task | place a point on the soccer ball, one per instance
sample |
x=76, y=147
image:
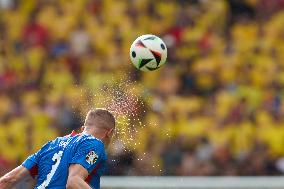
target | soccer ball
x=148, y=52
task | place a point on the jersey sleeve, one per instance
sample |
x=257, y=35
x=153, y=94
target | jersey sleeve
x=89, y=154
x=31, y=163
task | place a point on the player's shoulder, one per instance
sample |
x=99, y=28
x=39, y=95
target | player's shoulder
x=47, y=145
x=89, y=145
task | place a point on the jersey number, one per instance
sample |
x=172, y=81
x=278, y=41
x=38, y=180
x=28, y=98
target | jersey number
x=56, y=157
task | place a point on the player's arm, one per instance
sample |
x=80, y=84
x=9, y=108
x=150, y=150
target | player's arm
x=77, y=176
x=13, y=177
x=86, y=160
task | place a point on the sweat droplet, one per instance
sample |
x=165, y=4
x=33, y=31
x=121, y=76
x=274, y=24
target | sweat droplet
x=124, y=98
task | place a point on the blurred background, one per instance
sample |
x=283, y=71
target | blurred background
x=215, y=108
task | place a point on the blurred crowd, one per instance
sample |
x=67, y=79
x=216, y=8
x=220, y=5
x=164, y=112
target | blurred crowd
x=215, y=108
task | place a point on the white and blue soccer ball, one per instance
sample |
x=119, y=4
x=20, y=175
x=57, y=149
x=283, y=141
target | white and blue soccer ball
x=148, y=53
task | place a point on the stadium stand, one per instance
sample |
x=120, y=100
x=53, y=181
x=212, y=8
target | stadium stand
x=216, y=108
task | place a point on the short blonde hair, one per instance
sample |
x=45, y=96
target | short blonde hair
x=100, y=117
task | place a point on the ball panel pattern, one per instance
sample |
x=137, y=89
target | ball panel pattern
x=148, y=53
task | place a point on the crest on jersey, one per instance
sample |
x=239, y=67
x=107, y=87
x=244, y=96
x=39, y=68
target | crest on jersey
x=91, y=157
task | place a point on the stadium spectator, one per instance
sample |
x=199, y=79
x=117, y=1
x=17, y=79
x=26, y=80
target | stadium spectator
x=215, y=107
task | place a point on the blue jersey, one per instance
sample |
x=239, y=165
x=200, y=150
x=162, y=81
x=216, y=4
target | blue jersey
x=51, y=162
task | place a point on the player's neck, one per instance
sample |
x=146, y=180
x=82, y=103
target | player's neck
x=94, y=134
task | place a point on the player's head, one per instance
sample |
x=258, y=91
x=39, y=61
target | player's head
x=100, y=123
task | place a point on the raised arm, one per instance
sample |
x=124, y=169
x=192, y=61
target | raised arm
x=77, y=176
x=18, y=174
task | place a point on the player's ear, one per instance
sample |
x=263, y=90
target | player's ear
x=82, y=128
x=109, y=133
